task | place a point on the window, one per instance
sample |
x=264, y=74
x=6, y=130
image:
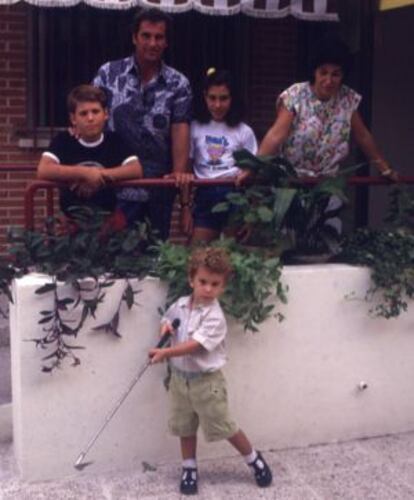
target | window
x=68, y=46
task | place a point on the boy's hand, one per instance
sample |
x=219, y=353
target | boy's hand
x=92, y=181
x=168, y=327
x=94, y=178
x=158, y=355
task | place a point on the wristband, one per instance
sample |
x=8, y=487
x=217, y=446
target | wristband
x=386, y=172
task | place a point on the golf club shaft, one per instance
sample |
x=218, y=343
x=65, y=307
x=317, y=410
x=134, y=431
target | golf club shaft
x=164, y=339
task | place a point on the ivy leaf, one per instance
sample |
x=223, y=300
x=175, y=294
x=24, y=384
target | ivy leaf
x=66, y=301
x=220, y=207
x=46, y=319
x=265, y=214
x=129, y=296
x=46, y=288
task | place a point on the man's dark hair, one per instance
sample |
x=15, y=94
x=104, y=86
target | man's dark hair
x=219, y=77
x=85, y=93
x=152, y=16
x=330, y=50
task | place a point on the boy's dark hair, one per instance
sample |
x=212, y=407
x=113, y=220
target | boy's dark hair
x=219, y=77
x=330, y=50
x=85, y=93
x=215, y=260
x=152, y=15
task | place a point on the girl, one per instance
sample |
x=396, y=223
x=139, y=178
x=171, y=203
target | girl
x=216, y=132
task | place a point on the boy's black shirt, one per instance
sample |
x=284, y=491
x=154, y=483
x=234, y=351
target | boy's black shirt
x=111, y=152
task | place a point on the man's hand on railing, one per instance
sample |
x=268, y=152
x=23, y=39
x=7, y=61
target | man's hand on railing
x=181, y=178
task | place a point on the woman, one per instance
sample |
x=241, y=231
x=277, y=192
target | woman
x=315, y=118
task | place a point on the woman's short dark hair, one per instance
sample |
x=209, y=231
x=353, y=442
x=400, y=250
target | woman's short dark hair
x=330, y=50
x=152, y=15
x=219, y=77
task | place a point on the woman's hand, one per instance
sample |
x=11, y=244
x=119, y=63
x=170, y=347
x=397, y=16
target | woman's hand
x=391, y=175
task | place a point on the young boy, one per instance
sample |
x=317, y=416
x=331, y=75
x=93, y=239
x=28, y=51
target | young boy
x=91, y=159
x=198, y=388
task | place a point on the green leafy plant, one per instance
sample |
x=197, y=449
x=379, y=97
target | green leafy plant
x=280, y=213
x=389, y=253
x=88, y=259
x=259, y=210
x=401, y=208
x=87, y=248
x=308, y=218
x=255, y=280
x=390, y=256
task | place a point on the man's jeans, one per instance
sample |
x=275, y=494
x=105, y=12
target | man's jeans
x=157, y=210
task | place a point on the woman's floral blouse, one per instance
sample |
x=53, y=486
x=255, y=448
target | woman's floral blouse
x=320, y=132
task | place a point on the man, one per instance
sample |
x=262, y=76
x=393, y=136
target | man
x=150, y=107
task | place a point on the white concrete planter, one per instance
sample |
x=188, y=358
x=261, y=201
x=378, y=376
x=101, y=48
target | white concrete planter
x=294, y=383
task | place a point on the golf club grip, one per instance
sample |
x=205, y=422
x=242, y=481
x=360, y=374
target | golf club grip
x=166, y=337
x=163, y=340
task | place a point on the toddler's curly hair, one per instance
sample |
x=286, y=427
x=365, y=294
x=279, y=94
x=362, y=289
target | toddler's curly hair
x=215, y=260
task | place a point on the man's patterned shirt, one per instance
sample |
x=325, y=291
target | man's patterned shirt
x=143, y=115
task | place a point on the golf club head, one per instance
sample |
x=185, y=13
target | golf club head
x=79, y=464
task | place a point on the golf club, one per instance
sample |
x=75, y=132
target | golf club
x=80, y=464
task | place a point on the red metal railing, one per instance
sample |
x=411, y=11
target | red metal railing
x=34, y=186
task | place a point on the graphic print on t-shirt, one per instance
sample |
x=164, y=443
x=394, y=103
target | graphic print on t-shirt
x=91, y=164
x=216, y=148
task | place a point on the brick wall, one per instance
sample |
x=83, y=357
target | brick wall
x=273, y=67
x=13, y=51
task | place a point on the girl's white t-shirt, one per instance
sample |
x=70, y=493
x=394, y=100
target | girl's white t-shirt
x=212, y=147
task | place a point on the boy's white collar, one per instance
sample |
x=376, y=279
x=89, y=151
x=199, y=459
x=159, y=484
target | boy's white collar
x=92, y=144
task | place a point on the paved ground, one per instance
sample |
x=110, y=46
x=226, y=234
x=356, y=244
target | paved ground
x=372, y=469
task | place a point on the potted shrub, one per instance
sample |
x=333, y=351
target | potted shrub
x=281, y=214
x=389, y=253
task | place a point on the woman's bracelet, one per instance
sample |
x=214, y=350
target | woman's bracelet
x=385, y=173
